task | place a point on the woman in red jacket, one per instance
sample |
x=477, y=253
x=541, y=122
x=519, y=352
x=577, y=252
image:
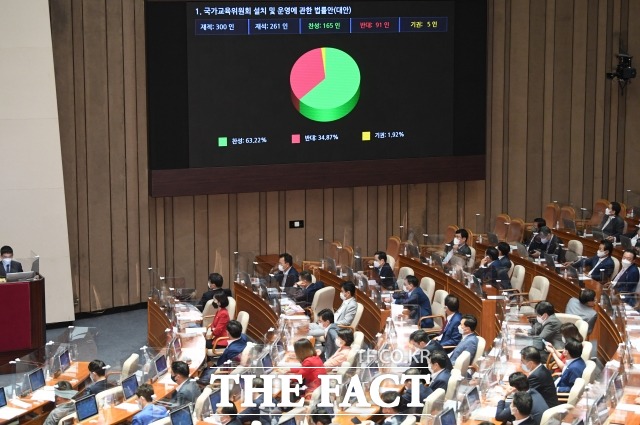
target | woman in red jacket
x=312, y=365
x=219, y=325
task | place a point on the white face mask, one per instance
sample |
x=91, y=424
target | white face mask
x=280, y=267
x=625, y=263
x=6, y=261
x=461, y=330
x=456, y=241
x=525, y=367
x=339, y=342
x=544, y=240
x=564, y=341
x=540, y=319
x=376, y=264
x=600, y=254
x=407, y=289
x=343, y=297
x=607, y=211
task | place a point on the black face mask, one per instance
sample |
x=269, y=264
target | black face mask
x=173, y=378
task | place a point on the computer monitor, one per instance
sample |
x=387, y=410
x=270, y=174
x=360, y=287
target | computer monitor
x=129, y=386
x=161, y=365
x=65, y=360
x=86, y=407
x=182, y=416
x=3, y=397
x=472, y=398
x=446, y=417
x=177, y=346
x=36, y=379
x=267, y=363
x=214, y=399
x=20, y=276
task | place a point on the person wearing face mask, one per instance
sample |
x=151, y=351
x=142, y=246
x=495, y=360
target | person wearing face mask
x=287, y=275
x=469, y=341
x=584, y=307
x=458, y=246
x=328, y=329
x=521, y=408
x=518, y=382
x=214, y=287
x=601, y=265
x=424, y=347
x=627, y=278
x=187, y=390
x=575, y=365
x=347, y=311
x=538, y=223
x=612, y=224
x=8, y=264
x=227, y=415
x=546, y=243
x=414, y=298
x=343, y=341
x=439, y=373
x=547, y=326
x=384, y=270
x=540, y=378
x=491, y=272
x=635, y=238
x=568, y=331
x=97, y=372
x=65, y=405
x=311, y=365
x=308, y=289
x=149, y=411
x=504, y=262
x=218, y=327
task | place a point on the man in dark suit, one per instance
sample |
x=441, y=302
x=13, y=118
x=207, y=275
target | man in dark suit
x=458, y=246
x=547, y=327
x=518, y=382
x=394, y=415
x=601, y=264
x=548, y=243
x=420, y=358
x=504, y=262
x=187, y=390
x=305, y=297
x=414, y=298
x=612, y=224
x=490, y=270
x=439, y=373
x=330, y=332
x=627, y=278
x=574, y=365
x=635, y=238
x=8, y=265
x=385, y=272
x=450, y=333
x=237, y=343
x=521, y=408
x=97, y=373
x=287, y=275
x=540, y=378
x=214, y=285
x=538, y=223
x=469, y=340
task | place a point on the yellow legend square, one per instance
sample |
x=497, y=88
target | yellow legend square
x=366, y=136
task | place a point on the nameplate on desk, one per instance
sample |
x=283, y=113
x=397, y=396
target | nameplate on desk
x=496, y=297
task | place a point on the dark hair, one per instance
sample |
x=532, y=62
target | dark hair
x=234, y=328
x=470, y=321
x=530, y=354
x=439, y=358
x=632, y=251
x=574, y=347
x=216, y=279
x=414, y=371
x=544, y=307
x=223, y=300
x=303, y=349
x=519, y=381
x=569, y=330
x=504, y=248
x=145, y=391
x=452, y=302
x=306, y=275
x=587, y=295
x=492, y=253
x=615, y=206
x=326, y=315
x=412, y=280
x=287, y=258
x=349, y=287
x=321, y=415
x=523, y=402
x=257, y=382
x=390, y=397
x=229, y=410
x=180, y=368
x=545, y=230
x=346, y=334
x=608, y=246
x=97, y=367
x=6, y=250
x=540, y=222
x=420, y=336
x=463, y=233
x=381, y=255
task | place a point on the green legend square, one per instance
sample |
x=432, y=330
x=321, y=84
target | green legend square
x=222, y=142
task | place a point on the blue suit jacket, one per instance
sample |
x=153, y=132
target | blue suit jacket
x=441, y=381
x=451, y=335
x=233, y=350
x=151, y=412
x=629, y=280
x=419, y=298
x=606, y=264
x=469, y=344
x=570, y=374
x=387, y=278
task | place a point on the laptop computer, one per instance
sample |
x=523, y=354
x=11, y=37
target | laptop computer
x=161, y=365
x=65, y=360
x=20, y=276
x=182, y=416
x=36, y=379
x=626, y=242
x=86, y=407
x=446, y=417
x=129, y=386
x=3, y=397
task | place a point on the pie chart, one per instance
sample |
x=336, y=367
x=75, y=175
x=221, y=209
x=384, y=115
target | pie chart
x=325, y=84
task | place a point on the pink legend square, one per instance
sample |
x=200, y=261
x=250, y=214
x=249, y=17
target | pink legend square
x=295, y=138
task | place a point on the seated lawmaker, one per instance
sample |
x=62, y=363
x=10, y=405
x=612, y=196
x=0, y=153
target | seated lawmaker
x=345, y=314
x=584, y=307
x=450, y=334
x=546, y=243
x=521, y=408
x=287, y=275
x=64, y=394
x=419, y=340
x=601, y=265
x=97, y=373
x=385, y=272
x=491, y=270
x=187, y=390
x=149, y=412
x=504, y=262
x=414, y=298
x=407, y=393
x=547, y=327
x=540, y=378
x=343, y=342
x=518, y=381
x=237, y=342
x=469, y=340
x=439, y=373
x=574, y=366
x=214, y=286
x=305, y=297
x=311, y=365
x=612, y=224
x=218, y=327
x=627, y=278
x=458, y=246
x=8, y=264
x=634, y=235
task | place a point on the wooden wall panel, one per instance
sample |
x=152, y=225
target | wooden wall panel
x=556, y=130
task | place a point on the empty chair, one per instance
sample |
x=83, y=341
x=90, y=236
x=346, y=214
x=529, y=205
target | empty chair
x=393, y=247
x=323, y=298
x=208, y=313
x=574, y=250
x=243, y=318
x=551, y=213
x=517, y=278
x=558, y=412
x=516, y=230
x=501, y=226
x=436, y=397
x=589, y=372
x=462, y=362
x=200, y=401
x=428, y=285
x=538, y=292
x=452, y=385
